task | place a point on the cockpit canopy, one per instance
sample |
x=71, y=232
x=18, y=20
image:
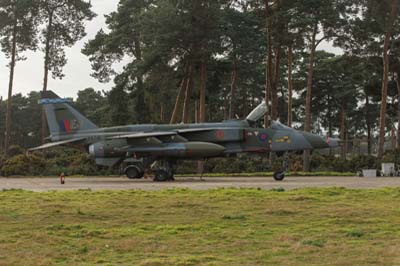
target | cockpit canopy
x=257, y=113
x=279, y=126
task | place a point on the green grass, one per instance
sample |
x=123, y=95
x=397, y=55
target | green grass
x=217, y=227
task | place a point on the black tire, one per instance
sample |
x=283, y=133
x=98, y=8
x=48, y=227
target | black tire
x=161, y=176
x=134, y=172
x=170, y=175
x=279, y=176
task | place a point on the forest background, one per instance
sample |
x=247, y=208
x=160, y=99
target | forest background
x=198, y=61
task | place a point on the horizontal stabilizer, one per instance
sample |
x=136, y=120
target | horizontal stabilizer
x=58, y=143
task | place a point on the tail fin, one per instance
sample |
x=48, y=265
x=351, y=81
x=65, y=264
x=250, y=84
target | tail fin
x=61, y=117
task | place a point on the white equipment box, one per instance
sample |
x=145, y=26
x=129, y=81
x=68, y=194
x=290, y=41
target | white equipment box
x=388, y=169
x=369, y=172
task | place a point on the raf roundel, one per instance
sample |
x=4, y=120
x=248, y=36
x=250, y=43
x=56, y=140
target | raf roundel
x=263, y=137
x=220, y=134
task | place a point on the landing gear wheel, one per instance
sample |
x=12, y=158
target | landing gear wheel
x=170, y=175
x=134, y=172
x=161, y=176
x=163, y=171
x=279, y=176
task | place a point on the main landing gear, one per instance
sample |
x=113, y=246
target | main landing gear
x=134, y=171
x=280, y=175
x=163, y=170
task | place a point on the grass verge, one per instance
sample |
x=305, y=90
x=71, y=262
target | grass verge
x=217, y=227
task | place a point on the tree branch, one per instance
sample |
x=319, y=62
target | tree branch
x=321, y=40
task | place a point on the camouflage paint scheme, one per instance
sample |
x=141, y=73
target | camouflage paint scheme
x=109, y=146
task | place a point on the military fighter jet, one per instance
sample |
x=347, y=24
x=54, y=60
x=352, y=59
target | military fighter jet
x=159, y=147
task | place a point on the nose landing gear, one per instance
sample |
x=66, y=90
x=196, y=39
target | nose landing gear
x=280, y=175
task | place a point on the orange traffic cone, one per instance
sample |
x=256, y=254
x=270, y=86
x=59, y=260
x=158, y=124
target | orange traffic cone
x=62, y=178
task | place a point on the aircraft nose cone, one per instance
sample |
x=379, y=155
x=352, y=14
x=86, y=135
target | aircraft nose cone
x=315, y=141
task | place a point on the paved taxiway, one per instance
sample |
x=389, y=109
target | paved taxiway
x=120, y=183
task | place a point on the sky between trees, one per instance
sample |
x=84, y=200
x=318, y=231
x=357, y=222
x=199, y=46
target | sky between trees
x=29, y=73
x=78, y=70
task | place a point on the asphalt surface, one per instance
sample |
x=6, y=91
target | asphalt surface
x=120, y=183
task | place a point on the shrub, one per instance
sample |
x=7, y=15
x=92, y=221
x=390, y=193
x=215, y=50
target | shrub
x=24, y=164
x=364, y=162
x=392, y=157
x=82, y=164
x=70, y=162
x=73, y=162
x=15, y=150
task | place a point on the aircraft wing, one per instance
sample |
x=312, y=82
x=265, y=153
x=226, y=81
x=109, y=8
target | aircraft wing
x=141, y=135
x=194, y=130
x=141, y=139
x=58, y=143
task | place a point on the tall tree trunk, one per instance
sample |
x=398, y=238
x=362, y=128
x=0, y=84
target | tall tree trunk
x=368, y=122
x=162, y=104
x=382, y=122
x=225, y=106
x=7, y=139
x=138, y=50
x=244, y=102
x=188, y=93
x=196, y=112
x=307, y=124
x=268, y=68
x=181, y=94
x=202, y=99
x=343, y=129
x=274, y=86
x=290, y=85
x=140, y=108
x=398, y=109
x=202, y=107
x=393, y=128
x=162, y=110
x=178, y=101
x=49, y=37
x=232, y=110
x=330, y=126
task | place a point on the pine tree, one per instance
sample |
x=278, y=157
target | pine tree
x=64, y=26
x=18, y=32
